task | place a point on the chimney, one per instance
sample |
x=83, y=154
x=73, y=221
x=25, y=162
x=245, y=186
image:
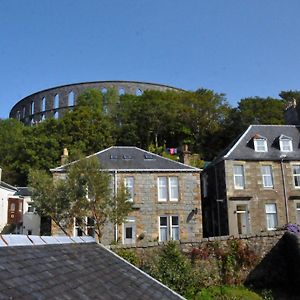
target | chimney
x=186, y=154
x=64, y=157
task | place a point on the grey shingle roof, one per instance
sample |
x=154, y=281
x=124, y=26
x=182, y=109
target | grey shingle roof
x=135, y=159
x=243, y=148
x=73, y=271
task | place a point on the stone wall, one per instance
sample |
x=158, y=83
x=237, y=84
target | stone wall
x=54, y=102
x=260, y=244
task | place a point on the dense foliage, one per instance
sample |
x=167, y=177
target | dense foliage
x=202, y=119
x=212, y=271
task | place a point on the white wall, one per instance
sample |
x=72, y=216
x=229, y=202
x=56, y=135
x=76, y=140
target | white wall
x=31, y=220
x=4, y=195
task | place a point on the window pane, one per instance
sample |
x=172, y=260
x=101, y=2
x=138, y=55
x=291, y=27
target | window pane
x=238, y=171
x=271, y=221
x=175, y=233
x=267, y=176
x=296, y=175
x=162, y=188
x=260, y=145
x=271, y=208
x=128, y=234
x=163, y=221
x=173, y=188
x=285, y=145
x=129, y=182
x=163, y=234
x=175, y=220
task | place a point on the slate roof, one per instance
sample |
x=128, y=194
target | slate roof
x=7, y=186
x=243, y=148
x=73, y=271
x=135, y=159
x=23, y=192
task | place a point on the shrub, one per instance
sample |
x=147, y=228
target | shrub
x=226, y=293
x=174, y=270
x=128, y=255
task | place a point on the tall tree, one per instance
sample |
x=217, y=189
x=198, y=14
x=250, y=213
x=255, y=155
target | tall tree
x=85, y=192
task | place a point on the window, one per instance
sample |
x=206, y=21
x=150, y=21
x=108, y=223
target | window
x=12, y=206
x=162, y=189
x=173, y=188
x=267, y=176
x=31, y=208
x=84, y=226
x=168, y=188
x=260, y=145
x=271, y=216
x=298, y=212
x=238, y=177
x=296, y=175
x=168, y=228
x=174, y=228
x=129, y=185
x=285, y=145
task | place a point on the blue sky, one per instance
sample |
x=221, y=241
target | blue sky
x=240, y=48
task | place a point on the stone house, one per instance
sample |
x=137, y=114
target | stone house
x=165, y=194
x=254, y=184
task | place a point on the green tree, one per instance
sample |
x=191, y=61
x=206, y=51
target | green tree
x=174, y=270
x=11, y=140
x=85, y=192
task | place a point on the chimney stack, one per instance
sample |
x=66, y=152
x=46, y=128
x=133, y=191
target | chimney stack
x=186, y=154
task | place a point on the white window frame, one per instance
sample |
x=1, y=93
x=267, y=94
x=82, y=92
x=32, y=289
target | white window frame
x=285, y=148
x=296, y=175
x=260, y=147
x=31, y=208
x=85, y=227
x=129, y=185
x=173, y=187
x=241, y=175
x=271, y=215
x=168, y=187
x=169, y=228
x=267, y=176
x=162, y=188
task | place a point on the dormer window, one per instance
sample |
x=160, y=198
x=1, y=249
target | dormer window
x=260, y=144
x=285, y=144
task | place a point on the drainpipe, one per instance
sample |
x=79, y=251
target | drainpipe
x=284, y=188
x=115, y=194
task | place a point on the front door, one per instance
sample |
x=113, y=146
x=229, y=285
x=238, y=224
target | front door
x=129, y=231
x=242, y=219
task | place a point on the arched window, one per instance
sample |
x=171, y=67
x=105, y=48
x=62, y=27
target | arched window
x=56, y=101
x=138, y=92
x=32, y=108
x=121, y=91
x=104, y=90
x=55, y=115
x=43, y=104
x=71, y=99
